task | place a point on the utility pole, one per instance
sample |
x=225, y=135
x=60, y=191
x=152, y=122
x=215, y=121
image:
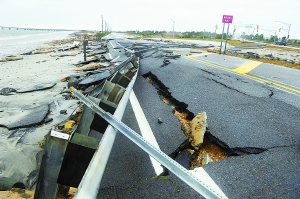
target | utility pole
x=216, y=27
x=102, y=23
x=173, y=27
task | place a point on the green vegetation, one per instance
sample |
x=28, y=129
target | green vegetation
x=101, y=34
x=147, y=33
x=209, y=36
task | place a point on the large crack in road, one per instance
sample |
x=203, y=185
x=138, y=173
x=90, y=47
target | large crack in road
x=188, y=154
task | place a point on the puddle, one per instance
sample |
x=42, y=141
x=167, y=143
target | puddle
x=212, y=149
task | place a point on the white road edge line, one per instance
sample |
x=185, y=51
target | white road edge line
x=145, y=129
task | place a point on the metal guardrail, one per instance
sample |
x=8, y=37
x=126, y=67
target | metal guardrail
x=89, y=161
x=84, y=189
x=90, y=183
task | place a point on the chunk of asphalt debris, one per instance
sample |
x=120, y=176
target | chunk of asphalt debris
x=64, y=90
x=25, y=118
x=165, y=62
x=269, y=55
x=96, y=78
x=7, y=90
x=172, y=56
x=159, y=121
x=47, y=120
x=108, y=56
x=60, y=126
x=63, y=112
x=7, y=184
x=32, y=179
x=37, y=87
x=73, y=82
x=66, y=96
x=168, y=51
x=39, y=157
x=88, y=61
x=195, y=52
x=21, y=133
x=98, y=52
x=27, y=53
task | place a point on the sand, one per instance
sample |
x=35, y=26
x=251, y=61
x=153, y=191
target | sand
x=18, y=153
x=25, y=43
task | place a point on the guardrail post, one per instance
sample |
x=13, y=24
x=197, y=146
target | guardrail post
x=85, y=42
x=47, y=185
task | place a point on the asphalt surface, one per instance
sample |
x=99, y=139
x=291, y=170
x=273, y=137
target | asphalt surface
x=242, y=112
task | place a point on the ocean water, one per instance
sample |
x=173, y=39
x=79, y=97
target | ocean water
x=14, y=42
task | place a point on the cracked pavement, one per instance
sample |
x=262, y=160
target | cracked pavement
x=242, y=112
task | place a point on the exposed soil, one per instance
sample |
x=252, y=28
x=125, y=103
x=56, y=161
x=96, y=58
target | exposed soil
x=212, y=149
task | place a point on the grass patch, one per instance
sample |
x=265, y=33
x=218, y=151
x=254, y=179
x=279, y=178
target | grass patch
x=264, y=60
x=239, y=43
x=283, y=49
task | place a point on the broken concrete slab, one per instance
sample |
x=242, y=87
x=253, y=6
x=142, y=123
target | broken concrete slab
x=32, y=179
x=67, y=48
x=88, y=61
x=7, y=91
x=172, y=56
x=57, y=105
x=96, y=78
x=96, y=47
x=8, y=183
x=105, y=64
x=27, y=53
x=157, y=54
x=36, y=87
x=119, y=59
x=24, y=118
x=148, y=54
x=96, y=52
x=108, y=56
x=19, y=135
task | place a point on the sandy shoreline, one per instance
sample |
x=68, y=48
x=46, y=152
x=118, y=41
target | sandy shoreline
x=19, y=147
x=18, y=45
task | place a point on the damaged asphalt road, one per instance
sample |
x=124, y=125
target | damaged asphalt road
x=240, y=111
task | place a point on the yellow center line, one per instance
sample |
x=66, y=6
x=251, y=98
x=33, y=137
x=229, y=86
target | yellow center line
x=247, y=75
x=246, y=68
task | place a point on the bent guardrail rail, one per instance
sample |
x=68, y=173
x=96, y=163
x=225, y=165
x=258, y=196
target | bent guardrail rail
x=88, y=188
x=69, y=147
x=90, y=183
x=74, y=158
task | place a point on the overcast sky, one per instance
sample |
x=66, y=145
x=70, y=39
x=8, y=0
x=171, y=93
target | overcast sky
x=189, y=15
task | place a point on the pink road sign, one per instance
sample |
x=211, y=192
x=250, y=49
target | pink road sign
x=227, y=19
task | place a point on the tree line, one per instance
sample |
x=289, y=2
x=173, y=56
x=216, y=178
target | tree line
x=208, y=35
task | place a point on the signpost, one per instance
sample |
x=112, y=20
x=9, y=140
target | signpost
x=226, y=19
